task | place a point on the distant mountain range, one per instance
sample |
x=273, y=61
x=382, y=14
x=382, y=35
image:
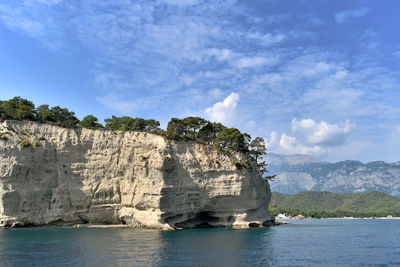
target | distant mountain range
x=297, y=173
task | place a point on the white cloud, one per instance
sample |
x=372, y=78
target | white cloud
x=251, y=62
x=181, y=3
x=215, y=93
x=272, y=140
x=292, y=146
x=343, y=16
x=116, y=103
x=323, y=133
x=14, y=20
x=318, y=68
x=238, y=60
x=223, y=111
x=187, y=79
x=35, y=19
x=267, y=38
x=45, y=2
x=310, y=137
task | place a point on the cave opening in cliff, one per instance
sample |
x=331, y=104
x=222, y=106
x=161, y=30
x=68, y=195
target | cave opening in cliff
x=203, y=219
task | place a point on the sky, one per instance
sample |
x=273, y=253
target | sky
x=314, y=77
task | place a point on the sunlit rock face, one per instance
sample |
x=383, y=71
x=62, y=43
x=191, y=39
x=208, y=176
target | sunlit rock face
x=77, y=176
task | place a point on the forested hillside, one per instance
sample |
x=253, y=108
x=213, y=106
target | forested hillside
x=327, y=204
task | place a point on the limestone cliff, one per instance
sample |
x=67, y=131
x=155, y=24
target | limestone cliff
x=74, y=176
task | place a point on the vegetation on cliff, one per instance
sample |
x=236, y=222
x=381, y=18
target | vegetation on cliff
x=193, y=129
x=322, y=204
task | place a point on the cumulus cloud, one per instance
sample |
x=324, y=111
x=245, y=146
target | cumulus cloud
x=342, y=16
x=223, y=111
x=272, y=140
x=310, y=137
x=321, y=133
x=293, y=146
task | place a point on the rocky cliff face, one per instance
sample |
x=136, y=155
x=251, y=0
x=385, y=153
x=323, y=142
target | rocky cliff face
x=74, y=176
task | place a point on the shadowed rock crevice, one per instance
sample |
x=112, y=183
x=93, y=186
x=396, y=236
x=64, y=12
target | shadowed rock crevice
x=203, y=219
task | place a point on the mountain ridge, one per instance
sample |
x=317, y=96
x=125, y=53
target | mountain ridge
x=348, y=176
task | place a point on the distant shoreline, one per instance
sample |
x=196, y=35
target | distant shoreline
x=344, y=218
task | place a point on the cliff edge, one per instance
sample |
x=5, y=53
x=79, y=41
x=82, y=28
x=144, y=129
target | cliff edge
x=57, y=176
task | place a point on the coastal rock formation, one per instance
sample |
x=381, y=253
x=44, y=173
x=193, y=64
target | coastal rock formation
x=57, y=176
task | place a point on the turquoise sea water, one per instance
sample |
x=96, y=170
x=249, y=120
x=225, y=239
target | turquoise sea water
x=303, y=243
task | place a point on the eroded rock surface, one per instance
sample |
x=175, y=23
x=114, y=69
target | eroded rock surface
x=75, y=176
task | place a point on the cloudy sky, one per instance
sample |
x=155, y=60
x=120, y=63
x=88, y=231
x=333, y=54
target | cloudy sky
x=318, y=77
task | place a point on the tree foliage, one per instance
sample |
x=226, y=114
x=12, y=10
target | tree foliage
x=17, y=108
x=63, y=117
x=203, y=131
x=126, y=123
x=44, y=113
x=206, y=132
x=209, y=132
x=187, y=129
x=175, y=129
x=90, y=121
x=258, y=149
x=232, y=138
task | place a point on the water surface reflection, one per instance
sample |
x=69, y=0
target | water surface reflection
x=135, y=247
x=303, y=243
x=217, y=247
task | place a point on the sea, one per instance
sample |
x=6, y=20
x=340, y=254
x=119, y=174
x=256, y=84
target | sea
x=326, y=242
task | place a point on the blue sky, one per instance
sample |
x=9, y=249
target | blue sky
x=317, y=77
